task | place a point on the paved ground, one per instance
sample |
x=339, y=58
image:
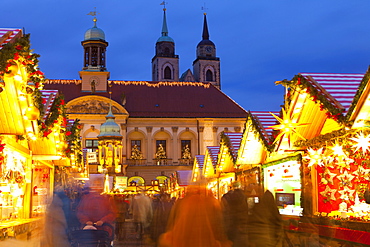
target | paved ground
x=131, y=238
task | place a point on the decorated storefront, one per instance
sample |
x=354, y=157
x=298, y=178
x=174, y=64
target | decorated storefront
x=283, y=179
x=34, y=137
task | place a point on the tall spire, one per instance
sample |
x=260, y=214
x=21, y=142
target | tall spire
x=164, y=25
x=205, y=35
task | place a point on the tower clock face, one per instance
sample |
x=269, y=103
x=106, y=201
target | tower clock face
x=94, y=79
x=209, y=49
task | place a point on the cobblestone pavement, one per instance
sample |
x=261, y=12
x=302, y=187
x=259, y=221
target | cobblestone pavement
x=131, y=238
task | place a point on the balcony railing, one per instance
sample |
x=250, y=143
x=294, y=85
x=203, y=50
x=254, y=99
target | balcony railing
x=186, y=162
x=160, y=162
x=141, y=162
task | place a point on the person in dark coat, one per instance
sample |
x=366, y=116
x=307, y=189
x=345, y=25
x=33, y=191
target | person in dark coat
x=265, y=223
x=161, y=213
x=235, y=212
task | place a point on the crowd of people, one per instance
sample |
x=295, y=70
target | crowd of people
x=198, y=219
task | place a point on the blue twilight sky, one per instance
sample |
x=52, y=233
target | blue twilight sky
x=258, y=41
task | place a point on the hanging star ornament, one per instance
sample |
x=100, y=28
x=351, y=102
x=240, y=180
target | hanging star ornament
x=315, y=157
x=361, y=142
x=287, y=127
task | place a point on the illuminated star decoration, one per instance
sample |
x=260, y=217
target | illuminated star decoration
x=287, y=127
x=343, y=161
x=315, y=157
x=346, y=193
x=362, y=142
x=329, y=174
x=329, y=193
x=346, y=178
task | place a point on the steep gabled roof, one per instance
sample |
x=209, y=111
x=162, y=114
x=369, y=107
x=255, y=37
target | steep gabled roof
x=161, y=99
x=233, y=140
x=265, y=120
x=199, y=159
x=213, y=154
x=342, y=87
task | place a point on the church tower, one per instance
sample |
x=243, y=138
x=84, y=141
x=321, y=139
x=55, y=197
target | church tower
x=94, y=74
x=165, y=64
x=206, y=66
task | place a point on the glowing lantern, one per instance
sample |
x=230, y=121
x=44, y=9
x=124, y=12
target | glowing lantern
x=32, y=113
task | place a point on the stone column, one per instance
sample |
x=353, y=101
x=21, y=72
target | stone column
x=176, y=145
x=150, y=155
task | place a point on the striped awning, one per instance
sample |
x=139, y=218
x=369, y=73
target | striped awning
x=265, y=119
x=234, y=140
x=9, y=35
x=199, y=159
x=48, y=97
x=342, y=87
x=213, y=154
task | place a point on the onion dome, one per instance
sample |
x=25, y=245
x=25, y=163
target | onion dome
x=165, y=36
x=110, y=129
x=94, y=33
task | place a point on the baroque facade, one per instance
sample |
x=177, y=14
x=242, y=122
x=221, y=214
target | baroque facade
x=179, y=118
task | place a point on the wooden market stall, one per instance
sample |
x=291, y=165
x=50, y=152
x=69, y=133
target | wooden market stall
x=33, y=136
x=328, y=141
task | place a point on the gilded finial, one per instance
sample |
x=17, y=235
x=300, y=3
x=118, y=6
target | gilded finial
x=94, y=13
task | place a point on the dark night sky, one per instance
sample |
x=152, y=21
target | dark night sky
x=258, y=42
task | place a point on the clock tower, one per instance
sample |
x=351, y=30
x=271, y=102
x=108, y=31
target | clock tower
x=206, y=66
x=94, y=74
x=165, y=64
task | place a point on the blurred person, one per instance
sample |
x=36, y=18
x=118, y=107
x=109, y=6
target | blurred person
x=142, y=213
x=161, y=214
x=122, y=208
x=235, y=211
x=96, y=211
x=56, y=221
x=265, y=223
x=196, y=221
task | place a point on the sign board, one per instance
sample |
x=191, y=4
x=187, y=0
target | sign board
x=121, y=182
x=91, y=157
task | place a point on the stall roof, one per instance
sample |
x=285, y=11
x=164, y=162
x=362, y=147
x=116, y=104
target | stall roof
x=234, y=141
x=199, y=159
x=9, y=35
x=266, y=120
x=342, y=87
x=213, y=154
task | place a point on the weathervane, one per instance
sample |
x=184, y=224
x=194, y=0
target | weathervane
x=164, y=5
x=94, y=13
x=204, y=8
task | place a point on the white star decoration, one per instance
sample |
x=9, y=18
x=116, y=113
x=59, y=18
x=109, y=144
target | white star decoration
x=362, y=142
x=315, y=157
x=346, y=178
x=330, y=174
x=329, y=193
x=346, y=193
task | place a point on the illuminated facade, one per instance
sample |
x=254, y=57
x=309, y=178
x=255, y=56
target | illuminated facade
x=164, y=123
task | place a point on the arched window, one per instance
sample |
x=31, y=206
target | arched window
x=209, y=75
x=167, y=73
